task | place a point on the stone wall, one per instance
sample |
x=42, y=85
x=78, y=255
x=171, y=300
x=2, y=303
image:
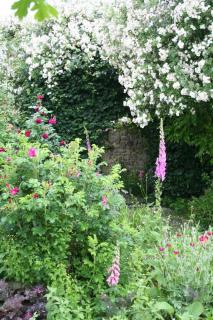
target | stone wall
x=128, y=147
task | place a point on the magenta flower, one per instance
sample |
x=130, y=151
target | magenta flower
x=114, y=271
x=32, y=153
x=160, y=170
x=161, y=249
x=2, y=150
x=27, y=133
x=38, y=120
x=14, y=191
x=52, y=120
x=40, y=97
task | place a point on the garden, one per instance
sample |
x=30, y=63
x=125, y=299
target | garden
x=106, y=160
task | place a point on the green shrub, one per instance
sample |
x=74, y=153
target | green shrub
x=202, y=208
x=50, y=205
x=66, y=299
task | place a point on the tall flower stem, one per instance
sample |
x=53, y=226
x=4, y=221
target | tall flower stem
x=160, y=171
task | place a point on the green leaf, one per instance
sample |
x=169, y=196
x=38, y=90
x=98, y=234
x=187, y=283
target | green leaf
x=21, y=7
x=164, y=306
x=44, y=10
x=195, y=309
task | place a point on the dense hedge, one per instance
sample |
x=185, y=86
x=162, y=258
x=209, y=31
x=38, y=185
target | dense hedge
x=88, y=96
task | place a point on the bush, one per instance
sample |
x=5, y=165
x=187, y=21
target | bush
x=50, y=205
x=202, y=208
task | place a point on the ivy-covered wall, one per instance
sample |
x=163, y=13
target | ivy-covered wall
x=88, y=96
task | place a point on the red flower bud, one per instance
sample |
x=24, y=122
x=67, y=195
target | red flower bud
x=62, y=143
x=35, y=195
x=176, y=252
x=27, y=133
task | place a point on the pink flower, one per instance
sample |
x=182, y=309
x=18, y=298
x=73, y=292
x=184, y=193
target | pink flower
x=161, y=249
x=192, y=244
x=7, y=185
x=62, y=143
x=40, y=97
x=32, y=153
x=203, y=238
x=210, y=233
x=14, y=191
x=176, y=252
x=45, y=135
x=2, y=150
x=114, y=271
x=168, y=245
x=52, y=120
x=27, y=133
x=160, y=171
x=38, y=120
x=104, y=200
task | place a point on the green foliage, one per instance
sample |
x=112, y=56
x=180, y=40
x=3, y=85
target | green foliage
x=189, y=253
x=185, y=172
x=43, y=132
x=87, y=95
x=42, y=8
x=50, y=205
x=202, y=208
x=195, y=130
x=66, y=298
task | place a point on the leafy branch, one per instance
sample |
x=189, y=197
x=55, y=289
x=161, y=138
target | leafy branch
x=42, y=9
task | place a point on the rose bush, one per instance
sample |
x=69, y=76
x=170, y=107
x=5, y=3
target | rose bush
x=50, y=205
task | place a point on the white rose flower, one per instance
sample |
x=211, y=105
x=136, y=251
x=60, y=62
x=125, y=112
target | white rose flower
x=202, y=96
x=176, y=85
x=180, y=44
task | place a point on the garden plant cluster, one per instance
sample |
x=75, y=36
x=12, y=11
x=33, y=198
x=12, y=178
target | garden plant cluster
x=72, y=249
x=71, y=246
